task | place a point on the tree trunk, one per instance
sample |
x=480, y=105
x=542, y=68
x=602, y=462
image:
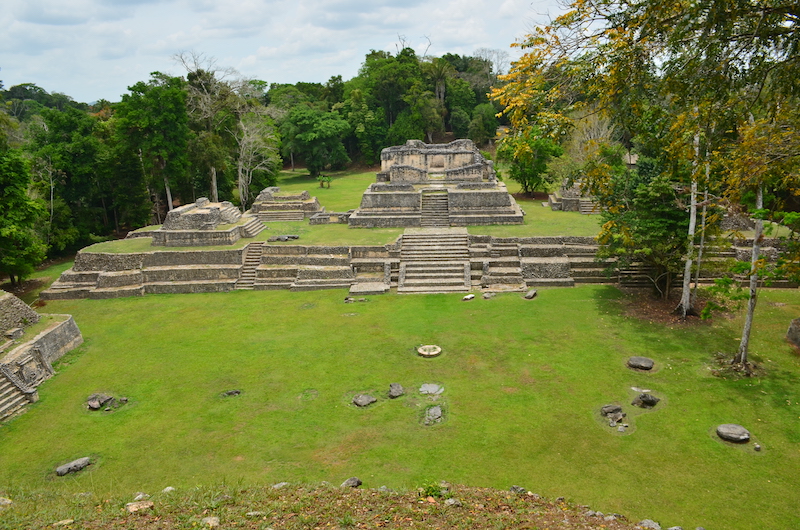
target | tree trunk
x=214, y=195
x=291, y=156
x=169, y=193
x=702, y=240
x=685, y=306
x=741, y=355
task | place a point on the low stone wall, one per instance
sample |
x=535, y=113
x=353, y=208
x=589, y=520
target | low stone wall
x=167, y=258
x=15, y=313
x=54, y=342
x=195, y=238
x=105, y=261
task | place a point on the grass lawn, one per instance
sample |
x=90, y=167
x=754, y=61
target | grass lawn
x=523, y=381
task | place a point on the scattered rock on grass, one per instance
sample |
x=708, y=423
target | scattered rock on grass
x=530, y=295
x=229, y=393
x=433, y=415
x=468, y=297
x=168, y=489
x=641, y=363
x=395, y=390
x=793, y=334
x=279, y=485
x=211, y=522
x=431, y=389
x=517, y=489
x=73, y=467
x=64, y=522
x=352, y=482
x=5, y=502
x=140, y=496
x=139, y=506
x=363, y=400
x=650, y=524
x=453, y=502
x=732, y=432
x=645, y=401
x=488, y=296
x=98, y=400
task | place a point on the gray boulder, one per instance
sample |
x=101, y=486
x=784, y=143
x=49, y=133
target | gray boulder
x=433, y=415
x=73, y=467
x=453, y=502
x=352, y=482
x=605, y=410
x=517, y=489
x=98, y=401
x=645, y=401
x=793, y=334
x=732, y=432
x=396, y=390
x=363, y=400
x=641, y=363
x=530, y=295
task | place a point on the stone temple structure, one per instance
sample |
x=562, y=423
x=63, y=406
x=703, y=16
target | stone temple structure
x=204, y=223
x=429, y=185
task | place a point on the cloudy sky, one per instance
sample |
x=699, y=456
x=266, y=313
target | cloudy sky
x=92, y=49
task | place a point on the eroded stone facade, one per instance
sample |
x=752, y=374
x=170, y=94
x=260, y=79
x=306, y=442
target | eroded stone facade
x=435, y=185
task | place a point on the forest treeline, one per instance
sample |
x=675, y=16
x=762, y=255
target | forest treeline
x=87, y=172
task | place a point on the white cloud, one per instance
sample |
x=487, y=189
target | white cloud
x=93, y=49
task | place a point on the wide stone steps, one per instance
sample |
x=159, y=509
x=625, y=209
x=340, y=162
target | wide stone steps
x=252, y=259
x=11, y=398
x=253, y=227
x=105, y=293
x=434, y=210
x=281, y=215
x=588, y=207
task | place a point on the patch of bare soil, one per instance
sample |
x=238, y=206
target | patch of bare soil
x=644, y=305
x=535, y=195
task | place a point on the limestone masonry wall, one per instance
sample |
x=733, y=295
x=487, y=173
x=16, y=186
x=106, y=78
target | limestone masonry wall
x=15, y=313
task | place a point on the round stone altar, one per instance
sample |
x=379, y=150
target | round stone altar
x=429, y=350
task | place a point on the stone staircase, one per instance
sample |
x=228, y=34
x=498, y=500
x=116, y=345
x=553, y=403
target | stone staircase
x=252, y=259
x=502, y=271
x=252, y=227
x=434, y=209
x=273, y=216
x=12, y=398
x=301, y=268
x=588, y=207
x=434, y=261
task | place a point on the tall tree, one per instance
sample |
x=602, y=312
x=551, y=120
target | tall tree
x=20, y=248
x=154, y=120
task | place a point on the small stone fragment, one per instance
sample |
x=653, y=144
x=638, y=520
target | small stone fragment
x=134, y=507
x=675, y=528
x=620, y=429
x=254, y=514
x=395, y=390
x=279, y=485
x=453, y=502
x=468, y=297
x=649, y=523
x=530, y=295
x=98, y=400
x=757, y=447
x=517, y=489
x=433, y=415
x=488, y=296
x=140, y=496
x=641, y=363
x=168, y=489
x=560, y=499
x=352, y=482
x=229, y=393
x=645, y=401
x=5, y=502
x=732, y=432
x=605, y=410
x=431, y=389
x=64, y=522
x=363, y=400
x=211, y=522
x=73, y=467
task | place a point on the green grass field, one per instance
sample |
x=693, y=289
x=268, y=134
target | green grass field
x=523, y=384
